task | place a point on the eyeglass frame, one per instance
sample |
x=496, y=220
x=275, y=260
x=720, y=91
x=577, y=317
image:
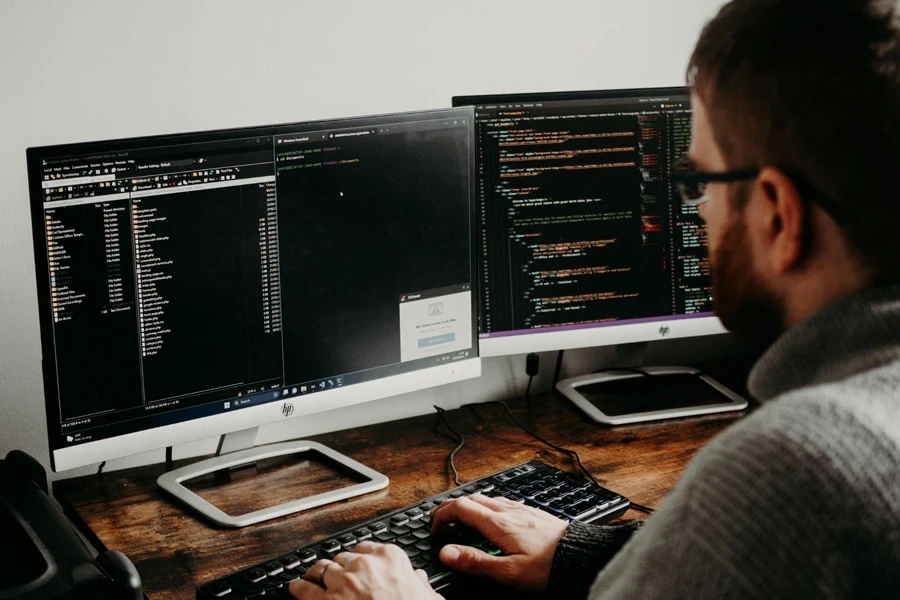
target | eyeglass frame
x=840, y=213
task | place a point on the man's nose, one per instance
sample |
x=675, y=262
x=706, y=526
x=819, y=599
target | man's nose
x=701, y=210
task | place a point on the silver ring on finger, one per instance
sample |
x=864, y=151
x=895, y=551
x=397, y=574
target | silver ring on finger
x=322, y=575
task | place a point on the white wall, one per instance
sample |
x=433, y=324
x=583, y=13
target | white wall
x=96, y=69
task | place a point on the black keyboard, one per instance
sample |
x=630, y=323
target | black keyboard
x=533, y=483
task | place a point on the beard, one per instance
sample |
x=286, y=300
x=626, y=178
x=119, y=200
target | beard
x=742, y=301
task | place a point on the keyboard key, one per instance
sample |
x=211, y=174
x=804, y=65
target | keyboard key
x=579, y=508
x=543, y=499
x=427, y=507
x=412, y=551
x=457, y=494
x=272, y=568
x=422, y=534
x=402, y=530
x=438, y=500
x=436, y=569
x=385, y=536
x=290, y=561
x=331, y=546
x=558, y=506
x=414, y=513
x=471, y=489
x=255, y=575
x=399, y=519
x=490, y=547
x=377, y=527
x=307, y=556
x=413, y=525
x=362, y=534
x=432, y=555
x=346, y=539
x=289, y=575
x=219, y=589
x=424, y=546
x=407, y=540
x=419, y=562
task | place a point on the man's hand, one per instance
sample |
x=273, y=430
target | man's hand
x=370, y=571
x=528, y=538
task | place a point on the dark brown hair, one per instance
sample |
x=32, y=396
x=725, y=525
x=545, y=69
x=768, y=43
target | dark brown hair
x=813, y=87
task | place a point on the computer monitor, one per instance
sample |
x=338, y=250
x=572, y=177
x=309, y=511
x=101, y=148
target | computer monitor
x=199, y=284
x=581, y=238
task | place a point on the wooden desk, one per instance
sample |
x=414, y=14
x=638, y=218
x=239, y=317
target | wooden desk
x=174, y=551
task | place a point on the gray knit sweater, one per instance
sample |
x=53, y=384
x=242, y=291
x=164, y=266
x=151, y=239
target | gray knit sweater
x=800, y=499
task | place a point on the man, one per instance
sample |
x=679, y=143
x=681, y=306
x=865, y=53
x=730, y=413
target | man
x=794, y=164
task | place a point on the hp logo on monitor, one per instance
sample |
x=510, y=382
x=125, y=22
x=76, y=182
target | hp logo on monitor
x=663, y=330
x=288, y=409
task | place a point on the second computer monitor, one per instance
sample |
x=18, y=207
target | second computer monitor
x=581, y=239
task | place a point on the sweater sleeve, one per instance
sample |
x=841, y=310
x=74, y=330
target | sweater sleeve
x=582, y=552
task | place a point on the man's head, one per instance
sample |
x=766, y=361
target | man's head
x=808, y=92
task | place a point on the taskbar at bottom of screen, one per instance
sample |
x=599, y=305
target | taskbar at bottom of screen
x=85, y=430
x=593, y=325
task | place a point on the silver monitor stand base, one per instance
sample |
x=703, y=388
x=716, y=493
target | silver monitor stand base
x=626, y=364
x=237, y=449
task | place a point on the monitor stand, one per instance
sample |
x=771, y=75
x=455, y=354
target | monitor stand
x=237, y=449
x=618, y=394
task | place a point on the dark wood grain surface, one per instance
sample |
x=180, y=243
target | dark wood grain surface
x=175, y=551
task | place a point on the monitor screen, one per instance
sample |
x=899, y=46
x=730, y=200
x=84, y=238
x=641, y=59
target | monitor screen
x=193, y=275
x=579, y=226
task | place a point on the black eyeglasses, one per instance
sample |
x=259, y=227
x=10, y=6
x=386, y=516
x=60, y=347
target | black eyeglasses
x=691, y=185
x=691, y=182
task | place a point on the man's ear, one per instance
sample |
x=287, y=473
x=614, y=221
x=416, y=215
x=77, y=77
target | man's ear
x=785, y=220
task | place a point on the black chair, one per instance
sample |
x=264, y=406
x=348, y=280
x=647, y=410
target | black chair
x=42, y=555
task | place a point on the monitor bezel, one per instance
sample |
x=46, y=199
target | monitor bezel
x=154, y=438
x=475, y=99
x=603, y=334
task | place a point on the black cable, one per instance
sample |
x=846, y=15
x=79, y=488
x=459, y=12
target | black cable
x=459, y=438
x=528, y=388
x=642, y=508
x=572, y=453
x=168, y=458
x=100, y=468
x=559, y=360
